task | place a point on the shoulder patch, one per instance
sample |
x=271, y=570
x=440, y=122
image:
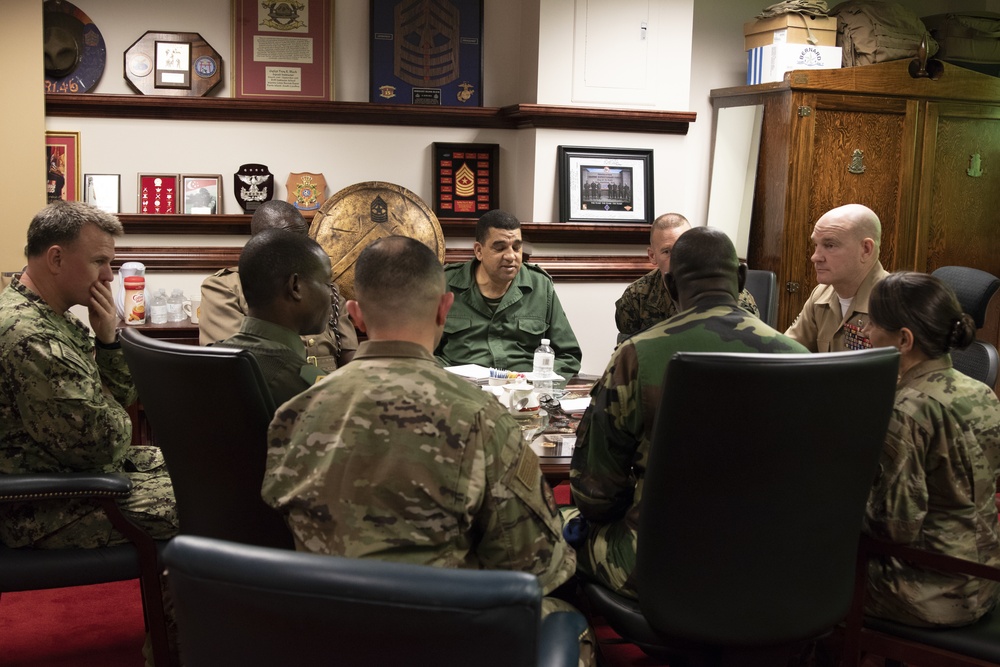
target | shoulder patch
x=528, y=471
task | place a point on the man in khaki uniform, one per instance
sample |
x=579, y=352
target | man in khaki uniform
x=847, y=267
x=223, y=305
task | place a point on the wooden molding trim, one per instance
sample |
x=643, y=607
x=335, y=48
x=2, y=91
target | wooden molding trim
x=103, y=105
x=601, y=268
x=538, y=232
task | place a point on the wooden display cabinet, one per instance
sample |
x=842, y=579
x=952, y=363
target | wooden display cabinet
x=923, y=154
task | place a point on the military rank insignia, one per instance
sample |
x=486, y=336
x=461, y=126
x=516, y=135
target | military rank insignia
x=853, y=338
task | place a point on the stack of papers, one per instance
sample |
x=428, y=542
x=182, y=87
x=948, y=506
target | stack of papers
x=574, y=405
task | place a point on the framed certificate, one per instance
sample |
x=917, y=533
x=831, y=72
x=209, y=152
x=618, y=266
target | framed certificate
x=62, y=158
x=427, y=52
x=466, y=179
x=283, y=49
x=605, y=184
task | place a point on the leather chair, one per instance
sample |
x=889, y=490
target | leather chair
x=975, y=290
x=26, y=569
x=763, y=286
x=976, y=645
x=245, y=605
x=752, y=505
x=209, y=409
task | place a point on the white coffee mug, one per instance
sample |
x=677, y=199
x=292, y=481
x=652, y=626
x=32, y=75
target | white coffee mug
x=192, y=309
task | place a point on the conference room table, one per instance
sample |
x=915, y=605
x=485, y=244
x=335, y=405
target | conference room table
x=554, y=445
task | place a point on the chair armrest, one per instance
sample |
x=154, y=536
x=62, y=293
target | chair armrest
x=49, y=486
x=559, y=639
x=929, y=560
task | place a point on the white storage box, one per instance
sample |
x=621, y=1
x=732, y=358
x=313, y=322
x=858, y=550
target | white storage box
x=769, y=63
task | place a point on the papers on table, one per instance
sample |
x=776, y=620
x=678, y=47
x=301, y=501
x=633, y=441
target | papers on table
x=574, y=405
x=471, y=371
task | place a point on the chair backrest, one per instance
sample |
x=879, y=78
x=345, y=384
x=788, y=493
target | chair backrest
x=763, y=286
x=245, y=605
x=979, y=361
x=974, y=288
x=209, y=409
x=757, y=481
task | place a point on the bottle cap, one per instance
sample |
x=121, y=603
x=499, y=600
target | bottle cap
x=134, y=282
x=545, y=341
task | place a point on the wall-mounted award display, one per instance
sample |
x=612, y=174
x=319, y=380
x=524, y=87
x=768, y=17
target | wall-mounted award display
x=306, y=192
x=283, y=49
x=427, y=53
x=62, y=157
x=74, y=48
x=253, y=185
x=158, y=194
x=466, y=179
x=172, y=63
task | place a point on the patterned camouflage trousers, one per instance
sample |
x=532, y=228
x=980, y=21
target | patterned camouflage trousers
x=607, y=555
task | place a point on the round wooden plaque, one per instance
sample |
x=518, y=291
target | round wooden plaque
x=361, y=213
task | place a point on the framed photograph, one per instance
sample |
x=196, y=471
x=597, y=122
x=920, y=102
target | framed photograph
x=466, y=179
x=427, y=52
x=62, y=158
x=201, y=193
x=605, y=184
x=158, y=194
x=172, y=63
x=283, y=49
x=103, y=191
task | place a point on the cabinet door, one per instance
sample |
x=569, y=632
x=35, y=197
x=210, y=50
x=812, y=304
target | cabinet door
x=960, y=188
x=848, y=150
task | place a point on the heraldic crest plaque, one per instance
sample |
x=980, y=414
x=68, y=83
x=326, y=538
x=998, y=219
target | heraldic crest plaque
x=364, y=212
x=253, y=185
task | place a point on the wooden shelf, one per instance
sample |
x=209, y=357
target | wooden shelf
x=537, y=232
x=516, y=116
x=612, y=268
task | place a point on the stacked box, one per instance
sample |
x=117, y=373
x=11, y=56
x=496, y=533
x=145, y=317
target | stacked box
x=769, y=63
x=790, y=29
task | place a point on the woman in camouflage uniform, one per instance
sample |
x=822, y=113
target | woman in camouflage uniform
x=936, y=485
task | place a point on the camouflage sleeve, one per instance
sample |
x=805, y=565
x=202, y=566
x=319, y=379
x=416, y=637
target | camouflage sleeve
x=627, y=314
x=221, y=315
x=607, y=440
x=519, y=521
x=897, y=504
x=64, y=406
x=747, y=303
x=117, y=376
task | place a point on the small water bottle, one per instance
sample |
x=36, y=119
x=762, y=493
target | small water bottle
x=542, y=366
x=175, y=306
x=158, y=307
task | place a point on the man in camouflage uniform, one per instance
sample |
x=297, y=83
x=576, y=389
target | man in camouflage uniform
x=223, y=305
x=393, y=457
x=61, y=404
x=288, y=284
x=503, y=307
x=613, y=439
x=846, y=241
x=646, y=301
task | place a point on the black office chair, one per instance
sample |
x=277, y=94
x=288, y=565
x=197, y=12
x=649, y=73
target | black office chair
x=249, y=606
x=974, y=289
x=763, y=287
x=753, y=501
x=26, y=569
x=975, y=645
x=209, y=409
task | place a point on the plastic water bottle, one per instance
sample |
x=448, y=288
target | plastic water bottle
x=175, y=306
x=543, y=366
x=158, y=307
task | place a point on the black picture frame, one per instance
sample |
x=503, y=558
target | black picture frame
x=466, y=179
x=448, y=73
x=605, y=184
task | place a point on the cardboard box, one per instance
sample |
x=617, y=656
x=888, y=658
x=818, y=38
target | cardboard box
x=769, y=63
x=790, y=29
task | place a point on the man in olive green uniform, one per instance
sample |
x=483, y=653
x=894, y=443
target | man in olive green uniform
x=646, y=301
x=504, y=308
x=613, y=439
x=392, y=457
x=287, y=283
x=223, y=305
x=63, y=393
x=846, y=241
